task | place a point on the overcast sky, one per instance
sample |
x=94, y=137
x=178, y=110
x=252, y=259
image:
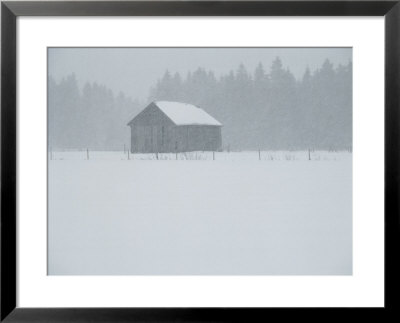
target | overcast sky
x=134, y=70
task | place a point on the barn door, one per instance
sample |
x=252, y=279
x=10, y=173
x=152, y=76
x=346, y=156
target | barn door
x=140, y=142
x=148, y=142
x=154, y=139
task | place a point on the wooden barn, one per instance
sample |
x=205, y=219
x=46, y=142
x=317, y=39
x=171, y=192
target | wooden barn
x=166, y=127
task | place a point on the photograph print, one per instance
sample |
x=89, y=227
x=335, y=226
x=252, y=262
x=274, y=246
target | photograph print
x=199, y=161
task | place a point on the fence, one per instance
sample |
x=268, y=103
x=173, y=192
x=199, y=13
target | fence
x=261, y=155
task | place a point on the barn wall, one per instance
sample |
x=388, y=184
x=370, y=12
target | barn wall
x=151, y=139
x=151, y=131
x=166, y=138
x=198, y=137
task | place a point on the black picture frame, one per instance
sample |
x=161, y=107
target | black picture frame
x=11, y=10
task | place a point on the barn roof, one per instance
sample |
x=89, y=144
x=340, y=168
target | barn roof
x=186, y=114
x=183, y=114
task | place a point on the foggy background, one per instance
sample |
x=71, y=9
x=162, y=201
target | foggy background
x=266, y=98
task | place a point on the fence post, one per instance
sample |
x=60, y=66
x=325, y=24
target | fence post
x=309, y=154
x=87, y=153
x=213, y=155
x=128, y=155
x=51, y=153
x=124, y=150
x=259, y=154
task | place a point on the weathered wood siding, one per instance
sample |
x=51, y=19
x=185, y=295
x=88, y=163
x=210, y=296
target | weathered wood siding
x=152, y=131
x=198, y=137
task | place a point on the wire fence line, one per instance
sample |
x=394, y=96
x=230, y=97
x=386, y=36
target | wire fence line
x=261, y=155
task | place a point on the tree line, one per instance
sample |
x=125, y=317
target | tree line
x=260, y=109
x=271, y=109
x=92, y=117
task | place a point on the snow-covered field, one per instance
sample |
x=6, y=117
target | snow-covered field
x=235, y=215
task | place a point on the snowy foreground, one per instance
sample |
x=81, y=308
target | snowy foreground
x=235, y=215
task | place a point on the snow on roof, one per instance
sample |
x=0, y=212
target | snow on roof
x=186, y=114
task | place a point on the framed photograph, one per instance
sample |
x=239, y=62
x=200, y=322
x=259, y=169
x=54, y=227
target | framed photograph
x=198, y=161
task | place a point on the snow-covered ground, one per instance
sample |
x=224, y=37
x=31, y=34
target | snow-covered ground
x=235, y=215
